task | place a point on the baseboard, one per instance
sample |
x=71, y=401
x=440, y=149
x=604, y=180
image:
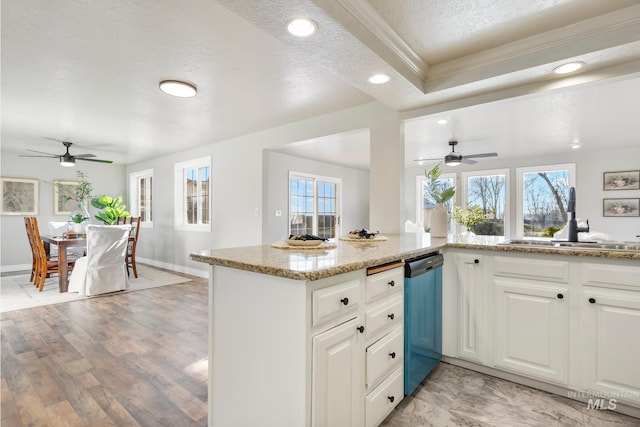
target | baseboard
x=173, y=267
x=621, y=407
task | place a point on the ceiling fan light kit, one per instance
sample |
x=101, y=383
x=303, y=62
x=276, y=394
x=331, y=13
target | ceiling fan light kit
x=67, y=161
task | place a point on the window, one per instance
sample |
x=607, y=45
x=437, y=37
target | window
x=193, y=195
x=314, y=203
x=489, y=191
x=140, y=196
x=424, y=202
x=542, y=194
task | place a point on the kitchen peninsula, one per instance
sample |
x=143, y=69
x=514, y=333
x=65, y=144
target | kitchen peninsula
x=295, y=334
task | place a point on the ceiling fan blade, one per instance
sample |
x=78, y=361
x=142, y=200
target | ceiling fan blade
x=83, y=155
x=42, y=152
x=93, y=160
x=428, y=160
x=476, y=156
x=50, y=156
x=468, y=161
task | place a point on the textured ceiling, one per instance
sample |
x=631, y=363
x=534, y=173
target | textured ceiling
x=88, y=71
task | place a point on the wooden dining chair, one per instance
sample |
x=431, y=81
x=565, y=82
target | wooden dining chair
x=130, y=258
x=34, y=256
x=43, y=266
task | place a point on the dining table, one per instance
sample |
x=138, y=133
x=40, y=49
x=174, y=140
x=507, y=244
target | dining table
x=63, y=243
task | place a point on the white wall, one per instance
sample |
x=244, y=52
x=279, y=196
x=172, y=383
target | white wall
x=105, y=178
x=355, y=192
x=590, y=165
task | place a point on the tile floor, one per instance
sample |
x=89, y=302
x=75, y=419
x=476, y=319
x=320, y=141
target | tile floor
x=454, y=396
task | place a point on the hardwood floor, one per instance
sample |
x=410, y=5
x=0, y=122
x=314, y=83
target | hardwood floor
x=134, y=359
x=140, y=359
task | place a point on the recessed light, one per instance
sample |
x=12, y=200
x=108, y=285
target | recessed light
x=569, y=67
x=178, y=88
x=301, y=27
x=443, y=121
x=575, y=144
x=378, y=79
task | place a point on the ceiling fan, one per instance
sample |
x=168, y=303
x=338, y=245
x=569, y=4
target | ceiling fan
x=67, y=159
x=454, y=159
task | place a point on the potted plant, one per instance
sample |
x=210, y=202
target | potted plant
x=436, y=197
x=113, y=209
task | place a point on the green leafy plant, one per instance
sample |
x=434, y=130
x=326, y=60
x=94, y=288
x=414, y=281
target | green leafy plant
x=113, y=209
x=82, y=191
x=78, y=218
x=469, y=217
x=438, y=190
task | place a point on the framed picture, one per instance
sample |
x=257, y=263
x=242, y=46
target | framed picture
x=621, y=207
x=63, y=197
x=20, y=196
x=624, y=180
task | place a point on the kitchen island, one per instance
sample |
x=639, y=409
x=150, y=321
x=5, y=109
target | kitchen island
x=288, y=343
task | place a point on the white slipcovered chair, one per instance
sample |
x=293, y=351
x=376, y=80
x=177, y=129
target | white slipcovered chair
x=103, y=269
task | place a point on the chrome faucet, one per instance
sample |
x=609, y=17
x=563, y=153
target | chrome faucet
x=573, y=224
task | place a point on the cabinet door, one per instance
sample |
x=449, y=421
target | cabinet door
x=338, y=376
x=611, y=324
x=470, y=307
x=531, y=328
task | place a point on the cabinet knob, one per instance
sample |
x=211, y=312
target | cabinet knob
x=560, y=296
x=360, y=329
x=392, y=354
x=391, y=398
x=391, y=316
x=345, y=301
x=592, y=300
x=392, y=283
x=476, y=261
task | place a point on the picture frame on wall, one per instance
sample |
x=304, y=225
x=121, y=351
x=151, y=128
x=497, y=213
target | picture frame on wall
x=621, y=207
x=63, y=197
x=622, y=180
x=20, y=196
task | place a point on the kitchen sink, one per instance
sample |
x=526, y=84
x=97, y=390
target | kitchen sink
x=611, y=246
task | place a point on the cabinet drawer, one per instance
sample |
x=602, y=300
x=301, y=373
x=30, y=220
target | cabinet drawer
x=381, y=401
x=384, y=283
x=554, y=271
x=388, y=314
x=383, y=356
x=335, y=301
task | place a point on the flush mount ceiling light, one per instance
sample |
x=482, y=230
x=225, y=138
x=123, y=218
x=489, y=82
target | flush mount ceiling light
x=378, y=79
x=569, y=67
x=178, y=88
x=301, y=27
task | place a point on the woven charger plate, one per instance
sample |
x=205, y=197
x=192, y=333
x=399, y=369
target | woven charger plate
x=376, y=238
x=282, y=244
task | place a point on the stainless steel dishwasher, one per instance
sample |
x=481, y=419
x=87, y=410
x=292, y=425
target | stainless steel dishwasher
x=422, y=317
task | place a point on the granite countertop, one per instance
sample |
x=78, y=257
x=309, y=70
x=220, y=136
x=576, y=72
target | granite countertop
x=347, y=256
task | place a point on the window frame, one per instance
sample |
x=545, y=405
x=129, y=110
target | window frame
x=519, y=231
x=134, y=195
x=464, y=197
x=316, y=178
x=179, y=191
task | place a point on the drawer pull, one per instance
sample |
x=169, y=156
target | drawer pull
x=392, y=354
x=592, y=300
x=560, y=296
x=360, y=329
x=391, y=399
x=391, y=316
x=392, y=283
x=345, y=301
x=475, y=261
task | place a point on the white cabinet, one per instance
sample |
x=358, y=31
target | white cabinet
x=338, y=362
x=531, y=317
x=610, y=312
x=471, y=288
